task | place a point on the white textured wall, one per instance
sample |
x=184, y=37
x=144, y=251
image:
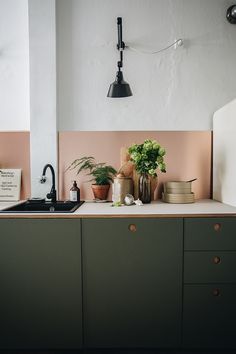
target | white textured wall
x=176, y=90
x=14, y=65
x=43, y=119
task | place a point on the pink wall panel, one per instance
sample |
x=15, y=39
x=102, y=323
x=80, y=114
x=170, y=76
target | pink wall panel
x=15, y=153
x=188, y=156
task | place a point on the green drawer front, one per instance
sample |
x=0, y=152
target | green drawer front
x=210, y=267
x=209, y=314
x=210, y=234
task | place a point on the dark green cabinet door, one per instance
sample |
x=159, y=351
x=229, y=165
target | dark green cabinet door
x=132, y=282
x=209, y=316
x=40, y=284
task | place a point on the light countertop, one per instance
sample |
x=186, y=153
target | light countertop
x=206, y=207
x=158, y=208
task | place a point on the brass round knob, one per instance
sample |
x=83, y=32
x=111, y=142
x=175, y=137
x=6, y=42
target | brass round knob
x=216, y=260
x=216, y=292
x=132, y=228
x=217, y=227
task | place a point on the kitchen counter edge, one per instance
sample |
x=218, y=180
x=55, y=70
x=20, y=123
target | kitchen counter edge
x=158, y=209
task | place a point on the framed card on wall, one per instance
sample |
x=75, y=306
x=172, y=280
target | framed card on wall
x=10, y=184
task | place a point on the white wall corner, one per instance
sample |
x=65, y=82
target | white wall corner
x=43, y=117
x=224, y=147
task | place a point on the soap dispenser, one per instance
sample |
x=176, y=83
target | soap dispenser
x=75, y=193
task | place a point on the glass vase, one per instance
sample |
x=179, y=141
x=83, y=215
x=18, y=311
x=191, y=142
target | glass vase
x=145, y=188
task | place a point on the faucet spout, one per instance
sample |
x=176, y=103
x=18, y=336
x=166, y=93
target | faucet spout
x=53, y=194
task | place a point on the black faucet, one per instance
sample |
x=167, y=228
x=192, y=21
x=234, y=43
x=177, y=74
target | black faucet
x=53, y=193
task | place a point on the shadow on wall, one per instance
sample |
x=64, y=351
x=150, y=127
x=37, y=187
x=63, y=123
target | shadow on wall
x=188, y=155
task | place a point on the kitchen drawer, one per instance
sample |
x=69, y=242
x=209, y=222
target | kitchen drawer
x=210, y=234
x=210, y=267
x=209, y=313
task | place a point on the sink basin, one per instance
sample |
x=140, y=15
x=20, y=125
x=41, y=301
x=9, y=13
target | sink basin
x=44, y=207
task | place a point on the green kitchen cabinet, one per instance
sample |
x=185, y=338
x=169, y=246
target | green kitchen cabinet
x=210, y=267
x=202, y=234
x=209, y=316
x=132, y=282
x=209, y=297
x=40, y=277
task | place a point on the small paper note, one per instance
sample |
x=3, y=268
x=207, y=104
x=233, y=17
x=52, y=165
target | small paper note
x=10, y=183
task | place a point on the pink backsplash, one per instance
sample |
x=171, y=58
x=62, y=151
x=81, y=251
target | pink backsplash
x=188, y=155
x=15, y=153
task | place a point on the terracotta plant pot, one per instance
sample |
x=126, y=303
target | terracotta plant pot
x=100, y=191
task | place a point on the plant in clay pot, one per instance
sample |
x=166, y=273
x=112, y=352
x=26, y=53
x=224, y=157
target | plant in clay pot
x=102, y=174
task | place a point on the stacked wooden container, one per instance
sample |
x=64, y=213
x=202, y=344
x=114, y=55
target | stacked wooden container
x=178, y=192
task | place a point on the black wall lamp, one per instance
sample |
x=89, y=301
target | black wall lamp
x=119, y=88
x=231, y=14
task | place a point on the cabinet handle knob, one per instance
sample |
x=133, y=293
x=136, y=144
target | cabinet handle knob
x=216, y=260
x=216, y=292
x=132, y=228
x=217, y=227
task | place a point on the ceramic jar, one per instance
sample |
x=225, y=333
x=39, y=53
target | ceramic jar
x=121, y=187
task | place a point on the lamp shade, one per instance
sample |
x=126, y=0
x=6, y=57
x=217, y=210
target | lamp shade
x=119, y=88
x=231, y=14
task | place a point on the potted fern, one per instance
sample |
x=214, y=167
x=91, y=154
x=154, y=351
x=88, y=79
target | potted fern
x=102, y=174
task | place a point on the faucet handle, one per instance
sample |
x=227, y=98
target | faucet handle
x=52, y=195
x=49, y=195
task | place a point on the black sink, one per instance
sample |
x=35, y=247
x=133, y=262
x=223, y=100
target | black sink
x=44, y=207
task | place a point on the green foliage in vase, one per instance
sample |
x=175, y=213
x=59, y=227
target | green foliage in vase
x=147, y=157
x=101, y=173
